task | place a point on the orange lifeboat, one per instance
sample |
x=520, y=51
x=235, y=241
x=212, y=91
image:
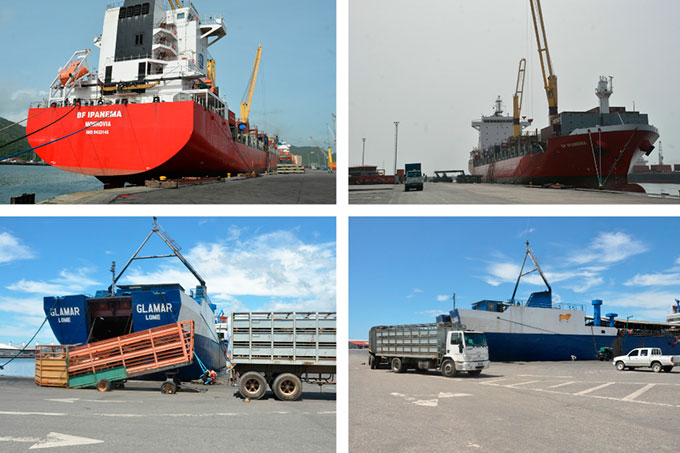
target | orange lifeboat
x=72, y=73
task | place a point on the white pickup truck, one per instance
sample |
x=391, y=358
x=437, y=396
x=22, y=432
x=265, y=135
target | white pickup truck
x=647, y=357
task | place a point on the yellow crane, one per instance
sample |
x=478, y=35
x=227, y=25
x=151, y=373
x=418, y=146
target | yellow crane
x=331, y=164
x=172, y=5
x=518, y=98
x=245, y=106
x=549, y=78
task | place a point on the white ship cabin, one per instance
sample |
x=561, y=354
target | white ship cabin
x=149, y=52
x=497, y=128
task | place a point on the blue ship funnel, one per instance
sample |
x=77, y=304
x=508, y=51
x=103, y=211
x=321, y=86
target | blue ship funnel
x=597, y=315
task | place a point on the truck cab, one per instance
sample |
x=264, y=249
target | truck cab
x=414, y=177
x=468, y=351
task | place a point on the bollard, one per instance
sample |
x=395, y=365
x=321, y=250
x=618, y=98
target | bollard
x=228, y=175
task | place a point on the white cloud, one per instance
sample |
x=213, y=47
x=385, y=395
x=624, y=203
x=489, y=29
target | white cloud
x=31, y=306
x=414, y=292
x=277, y=265
x=654, y=280
x=11, y=248
x=14, y=103
x=432, y=313
x=68, y=282
x=526, y=232
x=609, y=248
x=645, y=300
x=443, y=297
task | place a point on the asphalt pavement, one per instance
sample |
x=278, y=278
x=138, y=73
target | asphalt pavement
x=451, y=193
x=140, y=419
x=312, y=187
x=581, y=406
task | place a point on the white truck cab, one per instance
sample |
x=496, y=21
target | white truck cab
x=468, y=351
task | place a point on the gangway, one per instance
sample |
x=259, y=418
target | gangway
x=158, y=350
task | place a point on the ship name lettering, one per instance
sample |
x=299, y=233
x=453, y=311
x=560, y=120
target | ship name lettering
x=153, y=317
x=65, y=311
x=63, y=320
x=154, y=308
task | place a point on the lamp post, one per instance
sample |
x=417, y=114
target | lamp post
x=363, y=151
x=396, y=137
x=627, y=318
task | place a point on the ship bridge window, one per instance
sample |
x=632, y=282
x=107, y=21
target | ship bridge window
x=138, y=10
x=130, y=11
x=180, y=15
x=145, y=8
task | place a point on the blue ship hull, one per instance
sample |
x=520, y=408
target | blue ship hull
x=514, y=347
x=78, y=319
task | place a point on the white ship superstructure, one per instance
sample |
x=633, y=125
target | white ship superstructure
x=147, y=53
x=497, y=128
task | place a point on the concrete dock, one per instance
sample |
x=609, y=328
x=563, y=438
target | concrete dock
x=510, y=407
x=451, y=193
x=139, y=418
x=313, y=187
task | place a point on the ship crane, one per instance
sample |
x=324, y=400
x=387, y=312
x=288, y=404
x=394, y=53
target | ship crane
x=518, y=98
x=331, y=164
x=530, y=254
x=245, y=106
x=549, y=78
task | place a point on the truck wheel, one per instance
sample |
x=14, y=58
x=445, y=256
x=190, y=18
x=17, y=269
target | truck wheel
x=103, y=385
x=448, y=368
x=398, y=365
x=656, y=367
x=620, y=366
x=168, y=388
x=287, y=387
x=667, y=369
x=252, y=385
x=474, y=373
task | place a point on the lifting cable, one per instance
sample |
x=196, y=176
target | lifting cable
x=25, y=119
x=36, y=131
x=55, y=140
x=29, y=341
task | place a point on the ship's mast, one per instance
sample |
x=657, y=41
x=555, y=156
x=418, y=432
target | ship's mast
x=530, y=254
x=175, y=253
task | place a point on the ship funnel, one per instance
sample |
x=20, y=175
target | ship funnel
x=605, y=88
x=597, y=315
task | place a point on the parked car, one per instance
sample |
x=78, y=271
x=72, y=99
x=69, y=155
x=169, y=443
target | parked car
x=646, y=358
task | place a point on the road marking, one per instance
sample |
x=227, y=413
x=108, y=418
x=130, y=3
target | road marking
x=401, y=395
x=637, y=393
x=63, y=440
x=73, y=400
x=20, y=439
x=326, y=412
x=584, y=392
x=561, y=385
x=543, y=375
x=429, y=403
x=512, y=386
x=492, y=382
x=53, y=414
x=452, y=395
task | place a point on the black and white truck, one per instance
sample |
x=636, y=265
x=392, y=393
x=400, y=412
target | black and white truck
x=444, y=346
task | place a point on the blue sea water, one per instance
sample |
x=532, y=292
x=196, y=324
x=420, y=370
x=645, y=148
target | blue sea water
x=44, y=181
x=18, y=367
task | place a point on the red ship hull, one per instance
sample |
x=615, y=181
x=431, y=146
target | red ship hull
x=133, y=142
x=576, y=160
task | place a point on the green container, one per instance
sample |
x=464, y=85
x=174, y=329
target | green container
x=89, y=380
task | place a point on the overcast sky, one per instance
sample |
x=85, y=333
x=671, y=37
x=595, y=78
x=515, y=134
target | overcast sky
x=436, y=65
x=295, y=91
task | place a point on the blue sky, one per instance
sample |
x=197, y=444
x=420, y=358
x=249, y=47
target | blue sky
x=295, y=90
x=248, y=264
x=632, y=264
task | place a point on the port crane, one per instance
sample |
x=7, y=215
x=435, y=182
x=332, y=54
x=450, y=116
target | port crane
x=518, y=98
x=331, y=165
x=172, y=5
x=549, y=79
x=245, y=106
